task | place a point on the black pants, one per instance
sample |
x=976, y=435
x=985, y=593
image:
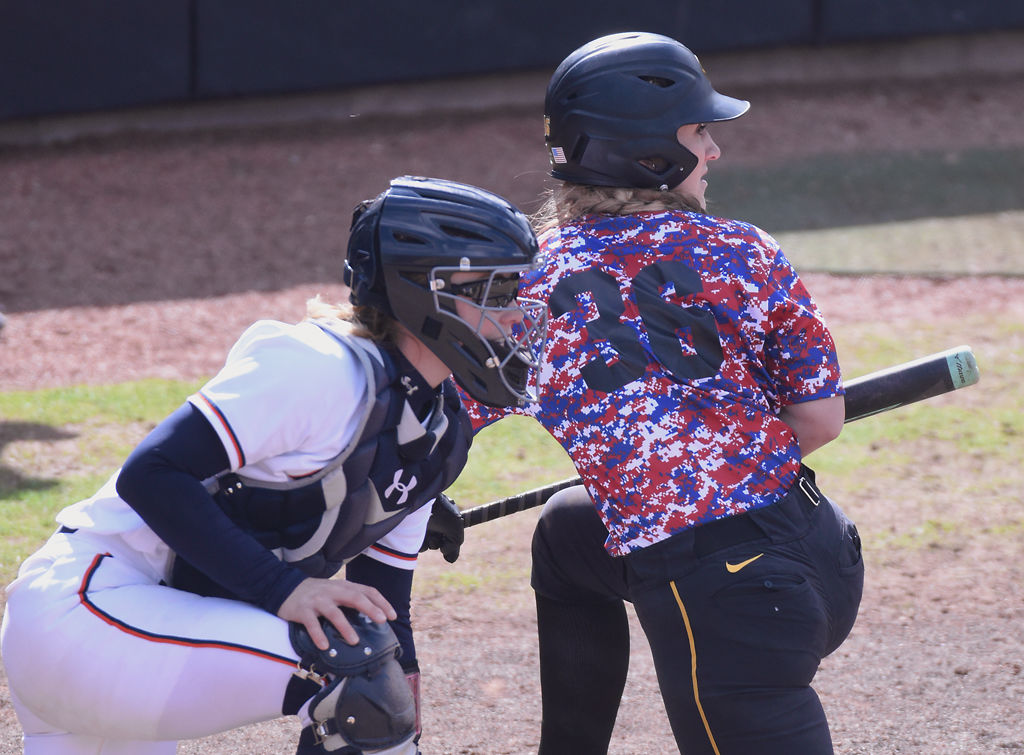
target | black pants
x=738, y=614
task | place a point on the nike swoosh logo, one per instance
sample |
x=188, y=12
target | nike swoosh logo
x=733, y=568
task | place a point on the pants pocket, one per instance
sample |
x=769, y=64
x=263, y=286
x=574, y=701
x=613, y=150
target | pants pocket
x=844, y=593
x=775, y=624
x=849, y=557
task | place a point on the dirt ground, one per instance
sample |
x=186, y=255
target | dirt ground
x=145, y=254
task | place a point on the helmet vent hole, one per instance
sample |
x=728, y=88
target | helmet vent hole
x=658, y=81
x=655, y=164
x=463, y=233
x=407, y=238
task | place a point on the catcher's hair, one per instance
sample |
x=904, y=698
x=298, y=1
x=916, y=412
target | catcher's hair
x=566, y=202
x=364, y=322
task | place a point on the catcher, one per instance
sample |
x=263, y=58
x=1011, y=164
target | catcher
x=192, y=594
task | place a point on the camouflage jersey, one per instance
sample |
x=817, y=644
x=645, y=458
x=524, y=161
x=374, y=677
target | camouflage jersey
x=674, y=340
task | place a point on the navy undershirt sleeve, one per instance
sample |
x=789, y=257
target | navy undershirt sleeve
x=162, y=481
x=396, y=586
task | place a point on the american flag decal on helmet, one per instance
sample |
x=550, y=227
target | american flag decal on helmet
x=558, y=155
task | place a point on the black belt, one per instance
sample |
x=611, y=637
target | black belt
x=741, y=528
x=66, y=530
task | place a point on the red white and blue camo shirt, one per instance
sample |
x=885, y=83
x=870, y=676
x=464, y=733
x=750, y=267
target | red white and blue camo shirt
x=674, y=340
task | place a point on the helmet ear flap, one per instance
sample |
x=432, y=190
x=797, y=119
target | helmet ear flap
x=362, y=274
x=359, y=266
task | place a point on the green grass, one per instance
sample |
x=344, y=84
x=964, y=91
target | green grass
x=508, y=457
x=954, y=460
x=843, y=190
x=926, y=212
x=58, y=446
x=27, y=519
x=962, y=419
x=144, y=400
x=933, y=246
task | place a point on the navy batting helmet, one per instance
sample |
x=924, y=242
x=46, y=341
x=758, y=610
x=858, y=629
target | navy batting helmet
x=613, y=108
x=407, y=243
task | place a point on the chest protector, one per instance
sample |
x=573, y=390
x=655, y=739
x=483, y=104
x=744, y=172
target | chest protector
x=394, y=465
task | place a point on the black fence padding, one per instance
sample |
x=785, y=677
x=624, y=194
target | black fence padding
x=69, y=56
x=319, y=44
x=858, y=20
x=60, y=56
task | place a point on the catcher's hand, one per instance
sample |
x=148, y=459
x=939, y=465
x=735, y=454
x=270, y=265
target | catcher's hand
x=445, y=529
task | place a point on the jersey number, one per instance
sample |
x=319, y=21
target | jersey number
x=663, y=321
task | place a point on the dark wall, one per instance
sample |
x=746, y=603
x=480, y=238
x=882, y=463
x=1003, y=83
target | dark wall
x=71, y=56
x=82, y=55
x=331, y=44
x=854, y=20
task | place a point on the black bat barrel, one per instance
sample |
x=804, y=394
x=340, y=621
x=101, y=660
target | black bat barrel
x=910, y=382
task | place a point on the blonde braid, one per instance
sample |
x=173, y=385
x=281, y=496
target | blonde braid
x=567, y=202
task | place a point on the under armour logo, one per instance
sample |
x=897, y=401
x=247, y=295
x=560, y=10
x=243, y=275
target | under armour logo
x=400, y=486
x=409, y=387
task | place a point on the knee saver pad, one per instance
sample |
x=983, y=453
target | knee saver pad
x=561, y=519
x=569, y=535
x=367, y=705
x=370, y=711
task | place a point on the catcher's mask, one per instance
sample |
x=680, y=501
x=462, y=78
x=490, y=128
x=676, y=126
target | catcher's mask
x=613, y=108
x=408, y=244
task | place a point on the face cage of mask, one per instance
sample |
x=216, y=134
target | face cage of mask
x=517, y=352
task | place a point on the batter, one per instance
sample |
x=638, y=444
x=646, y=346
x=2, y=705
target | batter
x=688, y=374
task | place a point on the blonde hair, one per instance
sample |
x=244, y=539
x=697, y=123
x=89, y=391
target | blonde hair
x=566, y=202
x=364, y=322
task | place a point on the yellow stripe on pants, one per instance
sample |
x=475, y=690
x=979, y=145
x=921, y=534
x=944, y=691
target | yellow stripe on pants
x=693, y=667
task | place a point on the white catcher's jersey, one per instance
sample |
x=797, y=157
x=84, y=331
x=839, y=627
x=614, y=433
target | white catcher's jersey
x=287, y=401
x=138, y=664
